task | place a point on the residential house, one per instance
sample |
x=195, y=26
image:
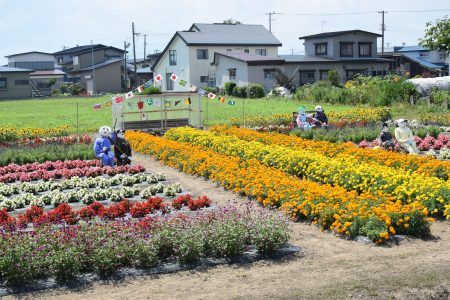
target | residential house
x=417, y=60
x=244, y=68
x=348, y=52
x=14, y=83
x=44, y=66
x=189, y=54
x=97, y=67
x=143, y=68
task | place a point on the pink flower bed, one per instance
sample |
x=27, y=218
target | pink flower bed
x=58, y=169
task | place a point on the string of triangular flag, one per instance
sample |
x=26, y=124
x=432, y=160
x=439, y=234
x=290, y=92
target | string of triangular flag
x=192, y=88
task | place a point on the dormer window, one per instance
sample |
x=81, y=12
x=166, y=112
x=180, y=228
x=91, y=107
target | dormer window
x=347, y=49
x=321, y=48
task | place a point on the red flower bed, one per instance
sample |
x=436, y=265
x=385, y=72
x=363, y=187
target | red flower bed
x=58, y=169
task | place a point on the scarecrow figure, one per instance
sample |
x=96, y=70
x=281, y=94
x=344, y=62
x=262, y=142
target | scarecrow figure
x=320, y=117
x=302, y=121
x=404, y=137
x=386, y=139
x=102, y=146
x=122, y=149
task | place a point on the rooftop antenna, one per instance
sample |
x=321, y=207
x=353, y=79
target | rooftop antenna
x=323, y=22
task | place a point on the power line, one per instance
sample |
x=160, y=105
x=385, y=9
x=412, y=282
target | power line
x=362, y=12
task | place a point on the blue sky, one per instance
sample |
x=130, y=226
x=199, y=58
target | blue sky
x=48, y=25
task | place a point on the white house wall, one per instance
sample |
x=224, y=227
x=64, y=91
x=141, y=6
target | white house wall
x=222, y=74
x=256, y=75
x=181, y=69
x=200, y=67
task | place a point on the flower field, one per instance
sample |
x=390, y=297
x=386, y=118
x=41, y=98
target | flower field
x=421, y=165
x=106, y=241
x=12, y=134
x=345, y=172
x=346, y=212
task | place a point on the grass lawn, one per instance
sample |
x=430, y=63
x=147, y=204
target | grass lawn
x=52, y=112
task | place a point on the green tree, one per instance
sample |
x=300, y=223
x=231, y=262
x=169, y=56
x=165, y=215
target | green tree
x=231, y=21
x=437, y=36
x=333, y=77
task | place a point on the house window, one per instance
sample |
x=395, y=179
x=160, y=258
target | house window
x=172, y=58
x=321, y=49
x=350, y=74
x=423, y=54
x=307, y=77
x=260, y=52
x=346, y=49
x=21, y=82
x=75, y=61
x=246, y=51
x=228, y=50
x=60, y=60
x=270, y=74
x=232, y=74
x=2, y=83
x=442, y=56
x=323, y=74
x=365, y=49
x=203, y=79
x=202, y=53
x=169, y=82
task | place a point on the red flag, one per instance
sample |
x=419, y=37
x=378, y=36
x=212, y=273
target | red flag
x=211, y=95
x=173, y=77
x=158, y=78
x=118, y=99
x=140, y=89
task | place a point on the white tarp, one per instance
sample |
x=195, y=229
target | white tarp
x=424, y=86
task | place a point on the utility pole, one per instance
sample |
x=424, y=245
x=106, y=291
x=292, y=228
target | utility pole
x=383, y=28
x=93, y=68
x=134, y=52
x=125, y=68
x=270, y=19
x=145, y=48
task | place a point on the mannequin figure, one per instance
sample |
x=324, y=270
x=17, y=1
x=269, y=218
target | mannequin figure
x=404, y=137
x=102, y=146
x=122, y=149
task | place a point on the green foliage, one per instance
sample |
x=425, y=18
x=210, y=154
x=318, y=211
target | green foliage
x=229, y=86
x=333, y=77
x=23, y=155
x=240, y=91
x=151, y=91
x=437, y=36
x=209, y=89
x=440, y=96
x=269, y=235
x=51, y=82
x=255, y=90
x=231, y=21
x=355, y=135
x=73, y=89
x=361, y=90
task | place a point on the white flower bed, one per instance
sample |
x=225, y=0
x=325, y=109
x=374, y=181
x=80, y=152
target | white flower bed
x=85, y=190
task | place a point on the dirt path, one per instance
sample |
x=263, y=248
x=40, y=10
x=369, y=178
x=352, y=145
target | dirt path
x=332, y=268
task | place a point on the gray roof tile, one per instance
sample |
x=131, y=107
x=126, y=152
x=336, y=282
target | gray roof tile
x=228, y=34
